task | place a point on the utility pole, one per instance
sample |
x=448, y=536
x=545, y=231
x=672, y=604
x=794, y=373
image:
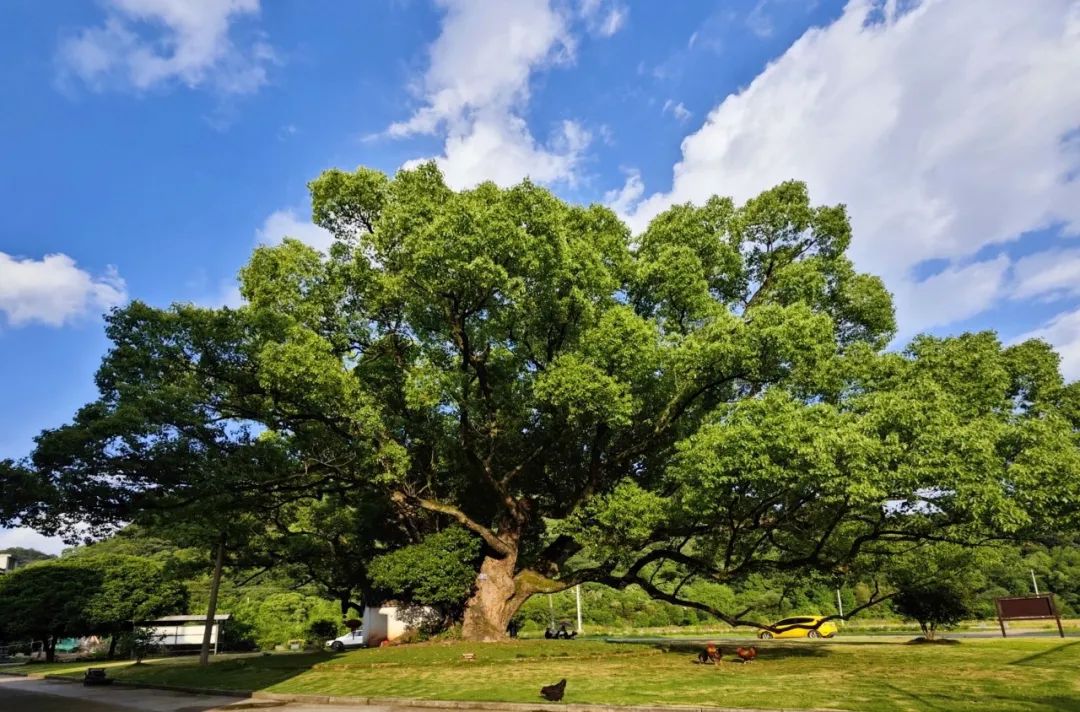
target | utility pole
x=211, y=609
x=1034, y=582
x=577, y=594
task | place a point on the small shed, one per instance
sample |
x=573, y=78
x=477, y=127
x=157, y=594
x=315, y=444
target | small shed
x=185, y=633
x=390, y=622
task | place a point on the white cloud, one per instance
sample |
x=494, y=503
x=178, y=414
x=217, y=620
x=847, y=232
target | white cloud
x=53, y=290
x=954, y=294
x=622, y=199
x=477, y=86
x=944, y=128
x=603, y=19
x=146, y=43
x=1063, y=333
x=30, y=539
x=759, y=21
x=1050, y=274
x=677, y=109
x=285, y=223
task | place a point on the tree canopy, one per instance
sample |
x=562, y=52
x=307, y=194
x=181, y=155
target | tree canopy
x=706, y=401
x=84, y=595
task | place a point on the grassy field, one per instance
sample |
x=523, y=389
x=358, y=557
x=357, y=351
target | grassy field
x=984, y=675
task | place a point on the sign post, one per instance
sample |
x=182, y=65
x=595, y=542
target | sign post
x=1027, y=608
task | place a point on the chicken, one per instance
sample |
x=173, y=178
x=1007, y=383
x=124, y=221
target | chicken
x=554, y=693
x=747, y=655
x=711, y=654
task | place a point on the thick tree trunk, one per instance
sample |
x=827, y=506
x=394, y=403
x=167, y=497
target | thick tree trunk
x=347, y=603
x=211, y=608
x=50, y=649
x=113, y=639
x=497, y=597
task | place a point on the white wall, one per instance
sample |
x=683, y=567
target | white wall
x=184, y=634
x=383, y=623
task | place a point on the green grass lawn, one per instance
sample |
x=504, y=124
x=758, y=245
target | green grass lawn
x=984, y=675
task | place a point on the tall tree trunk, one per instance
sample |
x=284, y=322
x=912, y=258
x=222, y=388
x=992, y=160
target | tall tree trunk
x=50, y=648
x=113, y=639
x=211, y=608
x=497, y=597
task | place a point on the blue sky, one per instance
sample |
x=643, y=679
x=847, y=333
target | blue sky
x=146, y=146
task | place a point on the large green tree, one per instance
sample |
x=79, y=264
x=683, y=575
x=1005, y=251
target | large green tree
x=84, y=595
x=704, y=402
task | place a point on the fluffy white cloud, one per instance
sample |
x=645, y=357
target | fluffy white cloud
x=54, y=290
x=624, y=198
x=1050, y=274
x=30, y=539
x=1063, y=332
x=146, y=43
x=954, y=294
x=285, y=223
x=477, y=85
x=944, y=126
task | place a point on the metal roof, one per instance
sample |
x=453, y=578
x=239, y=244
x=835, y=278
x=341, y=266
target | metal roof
x=188, y=619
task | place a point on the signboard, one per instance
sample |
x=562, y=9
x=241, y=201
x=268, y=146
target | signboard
x=1027, y=608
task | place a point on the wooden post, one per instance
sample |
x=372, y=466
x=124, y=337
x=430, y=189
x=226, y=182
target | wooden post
x=1057, y=617
x=211, y=608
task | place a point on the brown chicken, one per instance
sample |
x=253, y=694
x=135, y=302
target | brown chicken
x=711, y=654
x=554, y=693
x=747, y=655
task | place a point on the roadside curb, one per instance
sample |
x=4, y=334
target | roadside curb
x=166, y=688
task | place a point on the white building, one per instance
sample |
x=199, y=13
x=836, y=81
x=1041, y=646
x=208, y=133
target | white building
x=391, y=622
x=7, y=563
x=180, y=633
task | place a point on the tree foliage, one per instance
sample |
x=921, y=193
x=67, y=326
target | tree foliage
x=84, y=595
x=939, y=604
x=437, y=572
x=702, y=403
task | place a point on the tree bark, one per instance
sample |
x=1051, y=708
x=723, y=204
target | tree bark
x=211, y=608
x=497, y=597
x=50, y=648
x=113, y=639
x=347, y=603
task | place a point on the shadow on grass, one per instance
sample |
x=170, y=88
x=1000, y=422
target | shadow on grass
x=765, y=651
x=1054, y=652
x=941, y=701
x=246, y=674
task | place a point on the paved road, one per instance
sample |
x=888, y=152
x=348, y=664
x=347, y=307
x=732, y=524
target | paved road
x=19, y=694
x=23, y=695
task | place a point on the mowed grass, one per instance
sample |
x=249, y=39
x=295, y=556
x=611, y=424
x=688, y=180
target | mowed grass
x=984, y=675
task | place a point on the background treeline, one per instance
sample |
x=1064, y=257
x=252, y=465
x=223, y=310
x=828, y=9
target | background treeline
x=1006, y=572
x=101, y=588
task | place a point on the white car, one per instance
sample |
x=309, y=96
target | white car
x=354, y=639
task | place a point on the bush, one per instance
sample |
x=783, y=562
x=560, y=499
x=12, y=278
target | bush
x=139, y=643
x=933, y=606
x=322, y=630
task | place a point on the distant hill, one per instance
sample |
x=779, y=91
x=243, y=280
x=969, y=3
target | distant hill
x=24, y=555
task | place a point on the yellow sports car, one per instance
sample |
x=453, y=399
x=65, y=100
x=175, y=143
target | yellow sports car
x=802, y=627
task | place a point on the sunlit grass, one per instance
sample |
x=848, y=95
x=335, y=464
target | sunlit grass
x=985, y=675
